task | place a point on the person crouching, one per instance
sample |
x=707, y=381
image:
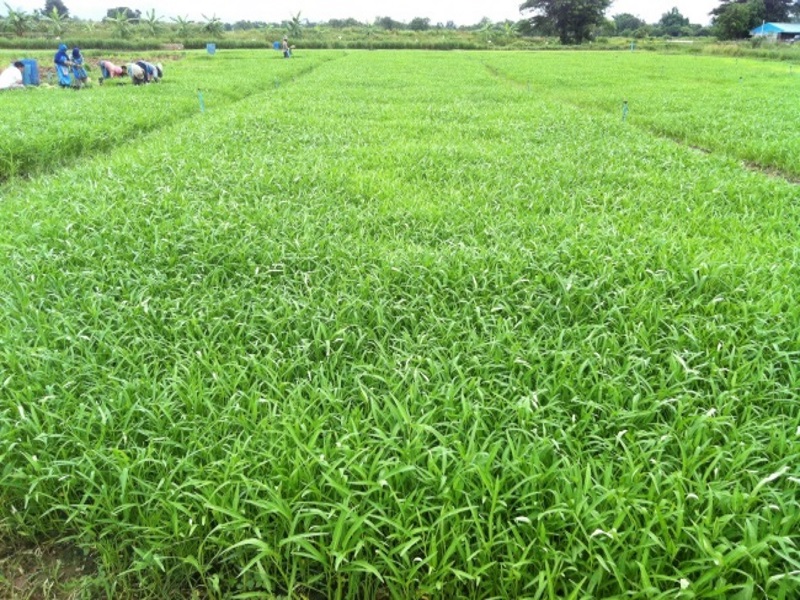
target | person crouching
x=109, y=70
x=144, y=72
x=137, y=73
x=11, y=78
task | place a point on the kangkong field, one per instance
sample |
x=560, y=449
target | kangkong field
x=403, y=325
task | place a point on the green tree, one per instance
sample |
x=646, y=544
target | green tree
x=130, y=14
x=486, y=28
x=151, y=23
x=734, y=19
x=419, y=24
x=120, y=24
x=182, y=25
x=779, y=11
x=49, y=5
x=55, y=22
x=672, y=22
x=213, y=26
x=627, y=24
x=295, y=26
x=388, y=23
x=573, y=20
x=772, y=11
x=510, y=29
x=606, y=28
x=18, y=21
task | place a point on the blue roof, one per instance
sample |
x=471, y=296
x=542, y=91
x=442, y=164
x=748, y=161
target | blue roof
x=768, y=28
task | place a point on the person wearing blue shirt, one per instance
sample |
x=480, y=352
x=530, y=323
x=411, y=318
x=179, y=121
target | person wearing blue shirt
x=78, y=71
x=63, y=64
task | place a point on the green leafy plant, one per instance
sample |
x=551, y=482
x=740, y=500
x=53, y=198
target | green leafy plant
x=17, y=21
x=151, y=23
x=55, y=22
x=433, y=333
x=213, y=26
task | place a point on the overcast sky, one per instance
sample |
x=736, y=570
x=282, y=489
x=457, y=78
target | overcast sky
x=463, y=12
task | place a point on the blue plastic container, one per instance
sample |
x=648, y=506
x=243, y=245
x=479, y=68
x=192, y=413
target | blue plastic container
x=30, y=74
x=211, y=49
x=276, y=45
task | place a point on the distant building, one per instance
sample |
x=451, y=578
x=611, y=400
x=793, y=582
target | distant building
x=780, y=32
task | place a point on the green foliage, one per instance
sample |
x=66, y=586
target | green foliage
x=779, y=11
x=673, y=22
x=56, y=22
x=151, y=23
x=17, y=21
x=573, y=20
x=121, y=25
x=419, y=24
x=295, y=27
x=452, y=329
x=388, y=23
x=58, y=5
x=734, y=19
x=627, y=24
x=213, y=26
x=130, y=14
x=182, y=25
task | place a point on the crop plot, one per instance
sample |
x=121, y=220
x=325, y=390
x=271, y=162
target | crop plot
x=401, y=328
x=58, y=127
x=741, y=108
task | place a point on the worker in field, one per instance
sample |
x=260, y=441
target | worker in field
x=144, y=72
x=63, y=64
x=287, y=51
x=137, y=73
x=109, y=70
x=78, y=70
x=154, y=71
x=11, y=78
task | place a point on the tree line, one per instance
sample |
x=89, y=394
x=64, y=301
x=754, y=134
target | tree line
x=575, y=21
x=572, y=21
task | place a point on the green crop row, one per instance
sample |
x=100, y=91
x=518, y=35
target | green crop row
x=408, y=332
x=56, y=127
x=741, y=108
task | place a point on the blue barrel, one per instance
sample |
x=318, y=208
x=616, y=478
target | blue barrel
x=211, y=49
x=30, y=74
x=276, y=45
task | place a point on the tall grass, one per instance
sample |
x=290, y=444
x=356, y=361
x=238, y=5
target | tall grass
x=407, y=332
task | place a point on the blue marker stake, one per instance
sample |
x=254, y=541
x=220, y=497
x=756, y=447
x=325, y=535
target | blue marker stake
x=624, y=111
x=200, y=98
